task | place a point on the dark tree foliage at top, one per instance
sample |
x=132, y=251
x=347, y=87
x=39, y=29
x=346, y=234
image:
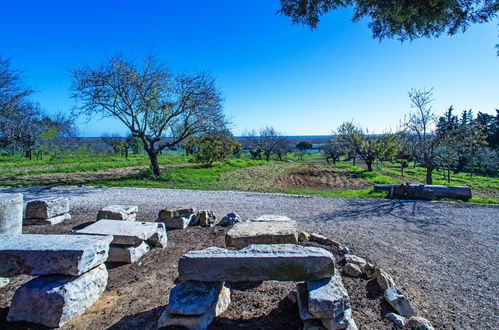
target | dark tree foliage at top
x=401, y=19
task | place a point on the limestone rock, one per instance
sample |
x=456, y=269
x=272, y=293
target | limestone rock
x=323, y=240
x=245, y=233
x=206, y=218
x=346, y=251
x=303, y=236
x=193, y=297
x=293, y=296
x=4, y=281
x=127, y=254
x=124, y=232
x=45, y=209
x=230, y=219
x=369, y=270
x=118, y=212
x=342, y=321
x=53, y=300
x=352, y=270
x=175, y=212
x=50, y=221
x=383, y=278
x=398, y=300
x=159, y=239
x=280, y=262
x=51, y=254
x=419, y=323
x=178, y=223
x=271, y=218
x=11, y=213
x=302, y=294
x=327, y=298
x=398, y=320
x=353, y=259
x=197, y=322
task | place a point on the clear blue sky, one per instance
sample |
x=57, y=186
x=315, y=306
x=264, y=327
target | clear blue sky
x=302, y=82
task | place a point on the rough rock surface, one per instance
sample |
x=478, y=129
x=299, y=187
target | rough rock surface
x=323, y=240
x=206, y=218
x=197, y=322
x=230, y=219
x=51, y=254
x=118, y=212
x=302, y=294
x=303, y=236
x=384, y=279
x=342, y=321
x=398, y=300
x=193, y=297
x=127, y=254
x=50, y=221
x=352, y=270
x=53, y=300
x=398, y=320
x=124, y=232
x=11, y=213
x=175, y=212
x=327, y=298
x=4, y=281
x=271, y=218
x=45, y=209
x=262, y=232
x=178, y=223
x=280, y=262
x=160, y=238
x=419, y=323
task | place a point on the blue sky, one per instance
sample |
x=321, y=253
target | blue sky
x=302, y=82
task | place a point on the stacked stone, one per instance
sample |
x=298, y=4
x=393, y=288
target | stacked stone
x=131, y=239
x=176, y=217
x=71, y=270
x=48, y=211
x=11, y=219
x=118, y=212
x=266, y=229
x=200, y=295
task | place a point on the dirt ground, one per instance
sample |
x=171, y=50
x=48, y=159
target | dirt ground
x=136, y=294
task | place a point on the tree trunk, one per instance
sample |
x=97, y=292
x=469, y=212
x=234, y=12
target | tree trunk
x=429, y=178
x=369, y=166
x=153, y=156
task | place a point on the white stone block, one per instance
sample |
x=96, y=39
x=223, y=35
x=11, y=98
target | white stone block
x=45, y=209
x=11, y=213
x=49, y=221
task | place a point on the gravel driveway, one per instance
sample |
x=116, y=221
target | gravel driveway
x=442, y=254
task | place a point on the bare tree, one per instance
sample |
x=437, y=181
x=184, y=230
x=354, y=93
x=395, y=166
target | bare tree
x=113, y=141
x=267, y=141
x=333, y=150
x=13, y=92
x=150, y=100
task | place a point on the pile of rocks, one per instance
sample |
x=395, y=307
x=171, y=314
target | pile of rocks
x=131, y=239
x=118, y=212
x=47, y=211
x=71, y=270
x=200, y=295
x=181, y=218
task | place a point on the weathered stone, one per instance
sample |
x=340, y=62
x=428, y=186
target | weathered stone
x=11, y=213
x=280, y=262
x=53, y=300
x=327, y=298
x=4, y=281
x=118, y=212
x=245, y=233
x=175, y=212
x=419, y=323
x=302, y=294
x=293, y=296
x=352, y=270
x=398, y=300
x=197, y=322
x=127, y=254
x=45, y=209
x=206, y=218
x=51, y=254
x=193, y=297
x=314, y=237
x=271, y=218
x=369, y=270
x=230, y=219
x=178, y=223
x=160, y=238
x=398, y=320
x=124, y=232
x=346, y=251
x=50, y=221
x=303, y=236
x=383, y=278
x=353, y=259
x=342, y=321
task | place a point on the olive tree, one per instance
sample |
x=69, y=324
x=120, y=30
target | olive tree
x=150, y=100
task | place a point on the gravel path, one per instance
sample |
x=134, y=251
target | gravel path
x=443, y=255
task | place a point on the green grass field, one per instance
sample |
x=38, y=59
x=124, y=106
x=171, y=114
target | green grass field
x=179, y=172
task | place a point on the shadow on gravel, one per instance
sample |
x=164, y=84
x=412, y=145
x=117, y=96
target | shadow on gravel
x=34, y=192
x=418, y=213
x=144, y=320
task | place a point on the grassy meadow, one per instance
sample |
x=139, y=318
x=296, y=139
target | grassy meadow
x=308, y=175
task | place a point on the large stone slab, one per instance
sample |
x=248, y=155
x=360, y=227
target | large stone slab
x=49, y=208
x=280, y=262
x=127, y=254
x=327, y=298
x=272, y=217
x=193, y=297
x=197, y=322
x=159, y=239
x=53, y=300
x=50, y=221
x=124, y=232
x=302, y=295
x=51, y=254
x=175, y=212
x=177, y=223
x=11, y=213
x=262, y=232
x=118, y=212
